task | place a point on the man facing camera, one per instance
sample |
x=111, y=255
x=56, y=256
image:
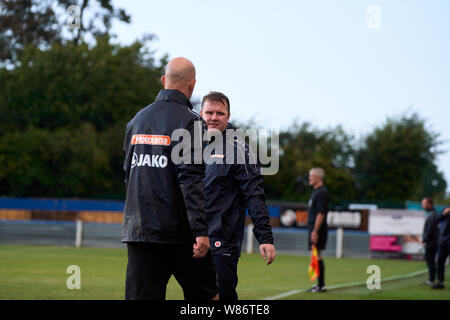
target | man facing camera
x=231, y=187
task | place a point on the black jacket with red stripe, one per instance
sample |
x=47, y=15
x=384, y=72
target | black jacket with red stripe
x=165, y=201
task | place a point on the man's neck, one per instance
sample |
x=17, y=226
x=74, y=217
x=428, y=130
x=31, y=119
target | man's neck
x=318, y=185
x=184, y=91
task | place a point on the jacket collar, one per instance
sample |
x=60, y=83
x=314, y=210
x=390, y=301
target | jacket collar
x=229, y=126
x=174, y=96
x=224, y=136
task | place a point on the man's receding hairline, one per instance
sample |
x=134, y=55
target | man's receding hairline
x=223, y=101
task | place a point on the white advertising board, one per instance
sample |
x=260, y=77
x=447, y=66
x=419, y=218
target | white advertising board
x=344, y=219
x=396, y=222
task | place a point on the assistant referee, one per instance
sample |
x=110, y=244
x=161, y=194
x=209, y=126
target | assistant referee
x=317, y=221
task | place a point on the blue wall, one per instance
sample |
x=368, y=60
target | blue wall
x=78, y=205
x=60, y=204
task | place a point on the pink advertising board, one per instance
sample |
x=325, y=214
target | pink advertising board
x=384, y=243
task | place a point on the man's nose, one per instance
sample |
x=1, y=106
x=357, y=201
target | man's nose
x=214, y=116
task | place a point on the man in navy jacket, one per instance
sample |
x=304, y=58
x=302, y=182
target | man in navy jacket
x=165, y=226
x=430, y=237
x=444, y=247
x=232, y=184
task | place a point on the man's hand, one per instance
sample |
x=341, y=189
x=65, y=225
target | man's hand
x=201, y=247
x=314, y=237
x=268, y=252
x=446, y=211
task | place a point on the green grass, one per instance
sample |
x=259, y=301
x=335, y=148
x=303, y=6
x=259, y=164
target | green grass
x=39, y=272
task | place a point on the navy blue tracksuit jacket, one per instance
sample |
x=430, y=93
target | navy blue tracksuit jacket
x=230, y=189
x=165, y=201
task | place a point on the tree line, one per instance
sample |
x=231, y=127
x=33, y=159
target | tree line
x=393, y=163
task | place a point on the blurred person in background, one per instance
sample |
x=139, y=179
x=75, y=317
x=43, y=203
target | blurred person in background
x=430, y=237
x=444, y=247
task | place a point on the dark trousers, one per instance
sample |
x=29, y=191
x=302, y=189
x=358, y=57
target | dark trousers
x=150, y=266
x=430, y=258
x=226, y=268
x=444, y=251
x=321, y=279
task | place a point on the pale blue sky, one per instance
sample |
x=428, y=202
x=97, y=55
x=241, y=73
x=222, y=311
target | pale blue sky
x=310, y=60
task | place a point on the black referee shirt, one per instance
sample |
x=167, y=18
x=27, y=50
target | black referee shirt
x=318, y=202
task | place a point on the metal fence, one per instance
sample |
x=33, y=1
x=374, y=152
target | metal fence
x=63, y=233
x=355, y=244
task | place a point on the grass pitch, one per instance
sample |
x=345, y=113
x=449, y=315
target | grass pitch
x=39, y=272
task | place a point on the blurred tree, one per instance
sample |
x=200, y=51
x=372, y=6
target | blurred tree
x=396, y=161
x=25, y=22
x=96, y=17
x=432, y=183
x=64, y=162
x=42, y=23
x=69, y=85
x=63, y=113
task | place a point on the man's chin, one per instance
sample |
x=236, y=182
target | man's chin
x=213, y=131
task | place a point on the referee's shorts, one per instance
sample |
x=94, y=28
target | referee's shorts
x=150, y=266
x=323, y=237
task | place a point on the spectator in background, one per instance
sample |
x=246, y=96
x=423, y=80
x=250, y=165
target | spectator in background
x=444, y=247
x=430, y=237
x=317, y=221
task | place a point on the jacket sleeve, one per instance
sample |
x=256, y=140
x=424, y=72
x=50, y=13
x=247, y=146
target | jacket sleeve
x=441, y=216
x=127, y=153
x=426, y=230
x=190, y=179
x=430, y=231
x=250, y=183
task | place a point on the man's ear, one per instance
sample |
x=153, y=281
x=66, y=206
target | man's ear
x=163, y=80
x=192, y=86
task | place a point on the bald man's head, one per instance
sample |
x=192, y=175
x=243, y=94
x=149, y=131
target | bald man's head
x=180, y=75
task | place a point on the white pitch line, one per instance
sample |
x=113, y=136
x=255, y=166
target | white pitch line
x=286, y=294
x=349, y=284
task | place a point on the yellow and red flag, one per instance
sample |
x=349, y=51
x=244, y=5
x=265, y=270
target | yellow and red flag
x=313, y=269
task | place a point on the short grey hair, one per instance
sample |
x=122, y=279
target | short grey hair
x=318, y=172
